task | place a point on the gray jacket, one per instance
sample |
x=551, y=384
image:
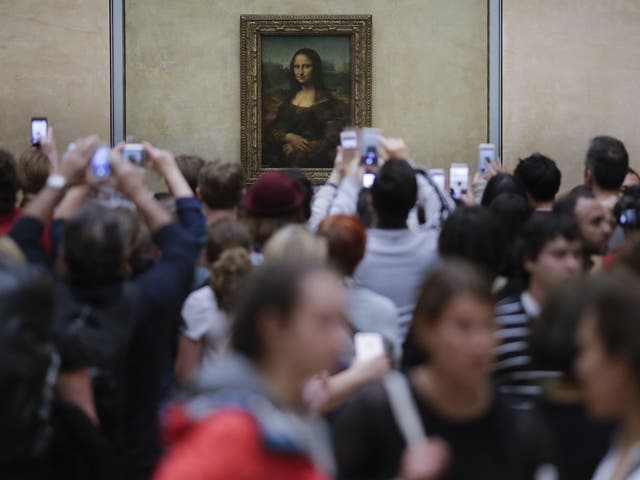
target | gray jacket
x=233, y=383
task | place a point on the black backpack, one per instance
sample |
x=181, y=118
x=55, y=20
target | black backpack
x=98, y=337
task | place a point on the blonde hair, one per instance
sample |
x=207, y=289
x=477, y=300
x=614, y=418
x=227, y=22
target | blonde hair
x=9, y=249
x=294, y=244
x=33, y=168
x=228, y=275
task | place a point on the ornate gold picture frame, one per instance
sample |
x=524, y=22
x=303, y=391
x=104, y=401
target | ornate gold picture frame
x=303, y=78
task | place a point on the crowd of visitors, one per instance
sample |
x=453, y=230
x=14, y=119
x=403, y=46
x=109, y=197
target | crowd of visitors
x=281, y=330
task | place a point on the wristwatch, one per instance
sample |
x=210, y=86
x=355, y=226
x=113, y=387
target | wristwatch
x=56, y=181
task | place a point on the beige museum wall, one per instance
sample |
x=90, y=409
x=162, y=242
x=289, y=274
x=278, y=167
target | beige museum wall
x=429, y=72
x=571, y=71
x=54, y=62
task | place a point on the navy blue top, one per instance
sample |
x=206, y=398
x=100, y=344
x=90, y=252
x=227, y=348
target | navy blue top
x=162, y=290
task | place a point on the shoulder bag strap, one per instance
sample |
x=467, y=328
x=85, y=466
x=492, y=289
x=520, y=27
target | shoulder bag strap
x=404, y=408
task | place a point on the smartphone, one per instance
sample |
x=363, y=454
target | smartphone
x=369, y=144
x=439, y=177
x=349, y=138
x=39, y=128
x=368, y=345
x=368, y=179
x=486, y=153
x=135, y=153
x=458, y=179
x=100, y=164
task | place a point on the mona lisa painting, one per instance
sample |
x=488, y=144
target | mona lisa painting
x=304, y=78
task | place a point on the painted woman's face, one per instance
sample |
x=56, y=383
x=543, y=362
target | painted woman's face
x=303, y=69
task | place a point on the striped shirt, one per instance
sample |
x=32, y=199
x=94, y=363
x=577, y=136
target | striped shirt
x=514, y=372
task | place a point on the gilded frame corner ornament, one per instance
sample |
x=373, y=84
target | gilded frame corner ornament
x=253, y=28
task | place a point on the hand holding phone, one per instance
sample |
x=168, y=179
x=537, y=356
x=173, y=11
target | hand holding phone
x=135, y=153
x=349, y=138
x=458, y=180
x=39, y=127
x=486, y=154
x=100, y=164
x=369, y=145
x=394, y=148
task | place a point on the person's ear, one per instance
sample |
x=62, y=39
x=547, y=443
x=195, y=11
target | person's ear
x=422, y=333
x=198, y=194
x=530, y=199
x=528, y=264
x=588, y=177
x=270, y=330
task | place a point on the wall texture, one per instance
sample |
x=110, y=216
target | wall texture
x=54, y=63
x=429, y=72
x=570, y=72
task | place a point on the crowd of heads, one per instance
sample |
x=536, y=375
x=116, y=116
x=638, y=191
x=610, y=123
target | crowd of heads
x=115, y=301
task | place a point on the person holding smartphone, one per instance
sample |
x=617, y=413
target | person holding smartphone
x=394, y=249
x=98, y=280
x=471, y=432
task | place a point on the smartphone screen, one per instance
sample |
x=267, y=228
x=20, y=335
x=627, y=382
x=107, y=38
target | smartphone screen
x=486, y=152
x=134, y=153
x=101, y=163
x=368, y=179
x=458, y=179
x=349, y=139
x=439, y=178
x=38, y=130
x=368, y=345
x=369, y=144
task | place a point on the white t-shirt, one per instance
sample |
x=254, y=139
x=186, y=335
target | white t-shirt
x=205, y=321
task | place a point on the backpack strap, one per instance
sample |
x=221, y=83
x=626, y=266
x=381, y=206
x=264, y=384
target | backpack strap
x=445, y=209
x=404, y=408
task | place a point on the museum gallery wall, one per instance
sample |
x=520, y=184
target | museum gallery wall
x=428, y=82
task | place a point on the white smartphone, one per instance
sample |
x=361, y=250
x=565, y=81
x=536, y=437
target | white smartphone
x=349, y=138
x=458, y=179
x=486, y=153
x=39, y=128
x=368, y=345
x=439, y=177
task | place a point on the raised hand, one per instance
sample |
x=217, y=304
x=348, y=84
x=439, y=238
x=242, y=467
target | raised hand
x=75, y=162
x=49, y=148
x=128, y=179
x=393, y=148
